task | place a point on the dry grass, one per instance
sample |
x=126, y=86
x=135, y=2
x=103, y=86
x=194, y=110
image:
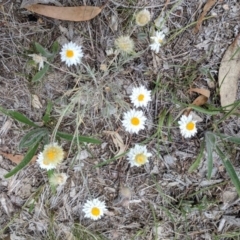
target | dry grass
x=166, y=202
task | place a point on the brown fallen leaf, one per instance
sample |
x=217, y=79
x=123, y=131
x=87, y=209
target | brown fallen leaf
x=202, y=91
x=16, y=158
x=229, y=73
x=200, y=100
x=206, y=8
x=76, y=14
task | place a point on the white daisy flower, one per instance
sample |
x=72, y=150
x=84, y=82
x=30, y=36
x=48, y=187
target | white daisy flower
x=138, y=155
x=58, y=179
x=51, y=156
x=134, y=121
x=140, y=96
x=187, y=126
x=71, y=54
x=94, y=209
x=39, y=60
x=158, y=40
x=143, y=17
x=125, y=44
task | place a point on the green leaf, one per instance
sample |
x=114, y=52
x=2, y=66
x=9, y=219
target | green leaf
x=70, y=137
x=39, y=75
x=46, y=116
x=230, y=112
x=55, y=48
x=33, y=136
x=169, y=125
x=230, y=170
x=42, y=50
x=18, y=116
x=28, y=157
x=210, y=140
x=162, y=117
x=196, y=163
x=229, y=138
x=205, y=111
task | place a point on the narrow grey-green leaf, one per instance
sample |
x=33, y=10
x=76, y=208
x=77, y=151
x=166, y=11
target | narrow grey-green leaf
x=196, y=163
x=28, y=157
x=18, y=116
x=32, y=136
x=162, y=117
x=46, y=116
x=205, y=111
x=230, y=170
x=44, y=52
x=210, y=141
x=55, y=48
x=39, y=75
x=229, y=138
x=70, y=137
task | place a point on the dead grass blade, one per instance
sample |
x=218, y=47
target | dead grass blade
x=206, y=8
x=76, y=14
x=229, y=73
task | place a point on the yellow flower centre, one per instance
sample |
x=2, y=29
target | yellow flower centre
x=135, y=121
x=95, y=211
x=69, y=53
x=140, y=97
x=143, y=19
x=140, y=158
x=160, y=40
x=190, y=126
x=50, y=156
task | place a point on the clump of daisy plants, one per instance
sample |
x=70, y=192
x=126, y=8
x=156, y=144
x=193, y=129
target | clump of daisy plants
x=38, y=137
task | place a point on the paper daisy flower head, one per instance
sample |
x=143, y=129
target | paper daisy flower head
x=133, y=121
x=94, y=209
x=187, y=126
x=158, y=40
x=58, y=179
x=138, y=155
x=140, y=96
x=125, y=44
x=71, y=54
x=51, y=156
x=143, y=17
